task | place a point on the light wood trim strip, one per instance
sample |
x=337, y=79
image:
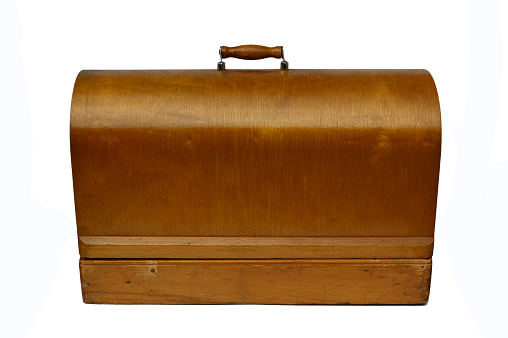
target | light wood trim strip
x=309, y=281
x=254, y=247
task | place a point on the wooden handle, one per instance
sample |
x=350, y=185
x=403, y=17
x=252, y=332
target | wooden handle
x=251, y=52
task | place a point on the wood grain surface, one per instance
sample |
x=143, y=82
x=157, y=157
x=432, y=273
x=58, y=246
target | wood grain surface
x=305, y=281
x=254, y=247
x=255, y=153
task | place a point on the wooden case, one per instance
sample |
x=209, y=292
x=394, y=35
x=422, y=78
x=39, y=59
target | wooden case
x=255, y=186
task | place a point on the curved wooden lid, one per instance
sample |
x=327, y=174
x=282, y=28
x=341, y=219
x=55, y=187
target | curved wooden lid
x=255, y=153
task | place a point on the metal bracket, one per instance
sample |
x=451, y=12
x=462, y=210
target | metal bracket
x=221, y=66
x=284, y=65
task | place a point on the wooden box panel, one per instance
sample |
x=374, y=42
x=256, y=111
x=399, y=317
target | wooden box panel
x=307, y=281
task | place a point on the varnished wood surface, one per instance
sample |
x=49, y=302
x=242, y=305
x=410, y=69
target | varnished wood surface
x=255, y=247
x=255, y=153
x=256, y=281
x=251, y=52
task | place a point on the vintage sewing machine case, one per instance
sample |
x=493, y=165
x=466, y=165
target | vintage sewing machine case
x=255, y=186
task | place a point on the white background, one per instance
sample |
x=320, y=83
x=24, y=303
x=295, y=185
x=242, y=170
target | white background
x=44, y=44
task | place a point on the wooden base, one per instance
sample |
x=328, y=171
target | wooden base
x=248, y=281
